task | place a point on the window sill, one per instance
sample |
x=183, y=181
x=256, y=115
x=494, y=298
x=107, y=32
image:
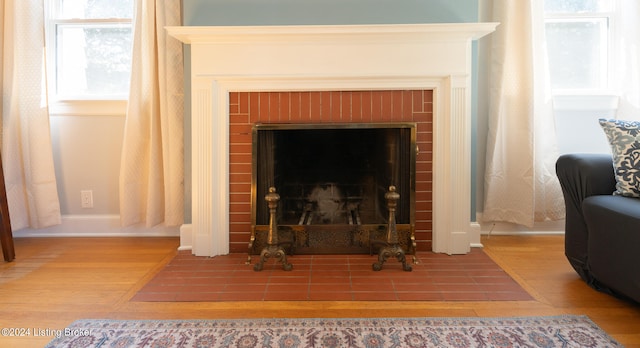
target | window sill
x=579, y=102
x=88, y=108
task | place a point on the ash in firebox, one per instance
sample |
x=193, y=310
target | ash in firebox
x=328, y=201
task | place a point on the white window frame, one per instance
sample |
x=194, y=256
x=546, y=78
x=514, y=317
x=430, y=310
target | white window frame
x=607, y=55
x=112, y=105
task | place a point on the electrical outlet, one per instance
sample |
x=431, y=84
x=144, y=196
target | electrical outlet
x=86, y=198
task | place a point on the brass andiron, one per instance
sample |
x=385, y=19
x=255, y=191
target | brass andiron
x=273, y=248
x=391, y=248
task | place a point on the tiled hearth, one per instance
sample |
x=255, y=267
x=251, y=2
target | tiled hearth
x=438, y=277
x=319, y=107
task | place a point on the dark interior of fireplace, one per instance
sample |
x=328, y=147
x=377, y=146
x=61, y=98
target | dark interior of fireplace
x=333, y=177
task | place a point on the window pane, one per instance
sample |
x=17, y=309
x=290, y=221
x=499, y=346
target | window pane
x=93, y=60
x=577, y=6
x=577, y=53
x=92, y=9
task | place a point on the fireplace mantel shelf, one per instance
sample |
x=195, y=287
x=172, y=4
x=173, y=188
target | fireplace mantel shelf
x=307, y=33
x=227, y=59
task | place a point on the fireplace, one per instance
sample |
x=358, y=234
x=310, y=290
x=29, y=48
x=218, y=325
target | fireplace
x=304, y=59
x=332, y=178
x=328, y=117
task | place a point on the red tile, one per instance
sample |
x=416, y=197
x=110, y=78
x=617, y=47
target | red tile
x=428, y=95
x=240, y=173
x=396, y=106
x=243, y=207
x=367, y=105
x=330, y=296
x=319, y=279
x=294, y=106
x=286, y=296
x=386, y=112
x=438, y=277
x=422, y=117
x=376, y=106
x=254, y=107
x=374, y=296
x=284, y=114
x=305, y=106
x=418, y=101
x=407, y=103
x=243, y=99
x=507, y=287
x=288, y=288
x=234, y=98
x=420, y=296
x=264, y=106
x=314, y=106
x=274, y=107
x=288, y=280
x=244, y=148
x=464, y=296
x=325, y=106
x=336, y=107
x=330, y=287
x=346, y=106
x=330, y=260
x=197, y=297
x=240, y=247
x=356, y=106
x=372, y=276
x=242, y=288
x=373, y=286
x=416, y=287
x=241, y=296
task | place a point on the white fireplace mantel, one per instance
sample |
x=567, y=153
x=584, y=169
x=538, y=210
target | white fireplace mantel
x=331, y=57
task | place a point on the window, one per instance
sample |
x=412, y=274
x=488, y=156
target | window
x=89, y=53
x=578, y=39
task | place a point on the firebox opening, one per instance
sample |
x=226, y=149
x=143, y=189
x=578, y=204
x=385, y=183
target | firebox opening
x=332, y=178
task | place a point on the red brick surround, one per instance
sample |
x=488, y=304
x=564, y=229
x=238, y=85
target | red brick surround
x=248, y=108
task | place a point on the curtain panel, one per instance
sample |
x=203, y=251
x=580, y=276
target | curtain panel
x=626, y=67
x=152, y=161
x=520, y=182
x=27, y=151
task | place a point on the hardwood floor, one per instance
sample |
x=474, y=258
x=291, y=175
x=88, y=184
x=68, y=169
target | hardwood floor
x=54, y=281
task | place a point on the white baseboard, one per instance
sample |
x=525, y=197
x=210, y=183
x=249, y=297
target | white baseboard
x=506, y=228
x=97, y=226
x=186, y=237
x=475, y=230
x=109, y=226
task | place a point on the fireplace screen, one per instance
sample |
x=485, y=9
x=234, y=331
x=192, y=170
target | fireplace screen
x=332, y=179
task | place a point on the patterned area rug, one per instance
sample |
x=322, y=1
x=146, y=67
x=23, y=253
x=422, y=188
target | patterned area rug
x=558, y=331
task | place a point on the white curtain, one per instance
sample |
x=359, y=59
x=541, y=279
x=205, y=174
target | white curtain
x=626, y=67
x=27, y=153
x=520, y=182
x=152, y=168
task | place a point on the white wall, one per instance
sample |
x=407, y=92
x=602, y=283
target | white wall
x=87, y=144
x=86, y=152
x=577, y=124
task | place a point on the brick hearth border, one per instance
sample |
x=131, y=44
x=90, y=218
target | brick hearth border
x=249, y=108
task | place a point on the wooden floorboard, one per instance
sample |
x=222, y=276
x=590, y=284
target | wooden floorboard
x=54, y=281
